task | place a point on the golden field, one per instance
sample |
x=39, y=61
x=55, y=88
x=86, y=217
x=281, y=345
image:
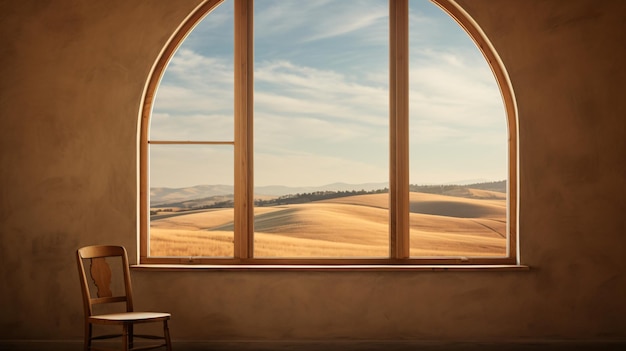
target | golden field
x=353, y=226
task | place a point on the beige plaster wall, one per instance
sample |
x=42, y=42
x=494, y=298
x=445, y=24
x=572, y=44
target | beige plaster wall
x=71, y=79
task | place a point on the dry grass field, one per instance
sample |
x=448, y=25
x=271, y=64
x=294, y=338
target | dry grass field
x=354, y=226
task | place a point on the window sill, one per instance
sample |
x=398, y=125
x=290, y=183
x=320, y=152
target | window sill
x=331, y=268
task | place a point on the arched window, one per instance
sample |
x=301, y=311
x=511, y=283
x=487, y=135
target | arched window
x=338, y=132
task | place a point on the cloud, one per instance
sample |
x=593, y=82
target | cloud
x=317, y=20
x=195, y=83
x=191, y=127
x=454, y=91
x=288, y=88
x=189, y=165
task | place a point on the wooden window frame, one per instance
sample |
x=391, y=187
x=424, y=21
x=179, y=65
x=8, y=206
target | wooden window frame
x=399, y=225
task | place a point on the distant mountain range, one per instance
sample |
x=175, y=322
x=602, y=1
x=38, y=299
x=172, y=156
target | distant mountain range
x=172, y=195
x=168, y=195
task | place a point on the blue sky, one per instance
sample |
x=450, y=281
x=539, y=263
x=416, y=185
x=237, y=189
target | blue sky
x=321, y=99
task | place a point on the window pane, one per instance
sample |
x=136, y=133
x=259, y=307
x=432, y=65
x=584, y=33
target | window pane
x=195, y=98
x=191, y=186
x=458, y=138
x=191, y=200
x=321, y=128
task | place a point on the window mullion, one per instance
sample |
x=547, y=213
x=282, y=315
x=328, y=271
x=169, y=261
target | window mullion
x=399, y=128
x=243, y=70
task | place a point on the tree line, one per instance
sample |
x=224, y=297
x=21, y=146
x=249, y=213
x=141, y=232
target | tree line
x=301, y=198
x=499, y=186
x=314, y=196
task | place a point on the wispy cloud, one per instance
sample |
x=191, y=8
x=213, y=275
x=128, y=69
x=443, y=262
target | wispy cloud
x=317, y=20
x=284, y=87
x=455, y=94
x=193, y=81
x=195, y=99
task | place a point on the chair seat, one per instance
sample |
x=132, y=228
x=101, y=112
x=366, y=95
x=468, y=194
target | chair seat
x=135, y=317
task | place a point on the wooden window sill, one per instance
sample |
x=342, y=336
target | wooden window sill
x=331, y=268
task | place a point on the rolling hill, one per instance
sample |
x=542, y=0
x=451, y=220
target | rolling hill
x=352, y=226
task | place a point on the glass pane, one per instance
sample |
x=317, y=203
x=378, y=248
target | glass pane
x=191, y=200
x=195, y=98
x=458, y=142
x=191, y=186
x=321, y=128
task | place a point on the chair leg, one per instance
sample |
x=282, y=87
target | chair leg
x=130, y=337
x=125, y=337
x=87, y=341
x=166, y=333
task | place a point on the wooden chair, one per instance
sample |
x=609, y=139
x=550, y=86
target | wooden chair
x=101, y=259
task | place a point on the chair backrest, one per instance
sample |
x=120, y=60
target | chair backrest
x=98, y=290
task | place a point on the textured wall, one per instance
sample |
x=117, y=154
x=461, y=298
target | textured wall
x=71, y=79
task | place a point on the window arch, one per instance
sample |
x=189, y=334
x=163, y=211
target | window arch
x=227, y=149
